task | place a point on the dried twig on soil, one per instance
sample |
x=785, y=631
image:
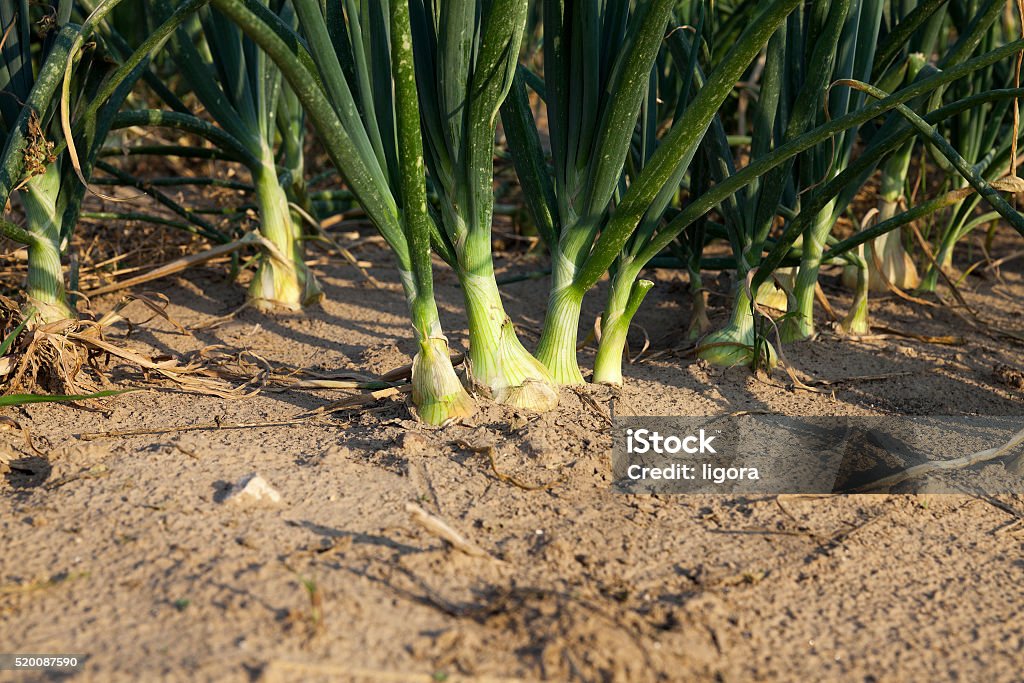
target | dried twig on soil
x=41, y=584
x=443, y=531
x=322, y=234
x=687, y=349
x=205, y=426
x=886, y=332
x=358, y=401
x=220, y=319
x=10, y=423
x=489, y=451
x=1018, y=516
x=246, y=366
x=589, y=401
x=178, y=265
x=785, y=511
x=924, y=469
x=859, y=378
x=94, y=472
x=974, y=319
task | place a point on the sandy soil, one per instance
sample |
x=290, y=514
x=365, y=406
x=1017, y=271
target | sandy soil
x=123, y=549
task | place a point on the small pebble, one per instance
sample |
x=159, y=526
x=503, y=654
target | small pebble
x=252, y=488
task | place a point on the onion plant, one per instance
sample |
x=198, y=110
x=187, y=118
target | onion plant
x=598, y=61
x=675, y=77
x=464, y=57
x=35, y=55
x=855, y=59
x=984, y=137
x=853, y=50
x=885, y=260
x=27, y=107
x=977, y=132
x=914, y=31
x=241, y=89
x=763, y=260
x=367, y=116
x=828, y=42
x=917, y=32
x=466, y=53
x=891, y=138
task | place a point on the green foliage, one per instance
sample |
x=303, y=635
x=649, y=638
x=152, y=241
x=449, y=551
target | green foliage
x=642, y=133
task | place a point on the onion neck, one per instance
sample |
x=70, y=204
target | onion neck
x=557, y=347
x=282, y=280
x=499, y=365
x=699, y=321
x=45, y=288
x=737, y=343
x=624, y=300
x=800, y=324
x=856, y=319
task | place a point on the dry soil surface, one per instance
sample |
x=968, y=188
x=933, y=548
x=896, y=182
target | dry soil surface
x=123, y=548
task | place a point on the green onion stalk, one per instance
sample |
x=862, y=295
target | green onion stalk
x=846, y=42
x=964, y=217
x=27, y=111
x=887, y=259
x=592, y=246
x=679, y=73
x=626, y=292
x=884, y=260
x=34, y=162
x=688, y=249
x=291, y=126
x=28, y=155
x=437, y=391
x=700, y=323
x=466, y=53
x=856, y=319
x=800, y=324
x=241, y=89
x=665, y=100
x=366, y=114
x=291, y=129
x=282, y=279
x=984, y=137
x=741, y=340
x=45, y=288
x=962, y=220
x=621, y=307
x=761, y=263
x=598, y=59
